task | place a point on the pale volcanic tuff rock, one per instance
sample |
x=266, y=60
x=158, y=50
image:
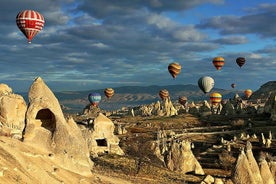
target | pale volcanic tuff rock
x=47, y=129
x=253, y=164
x=101, y=138
x=266, y=172
x=243, y=173
x=181, y=158
x=12, y=112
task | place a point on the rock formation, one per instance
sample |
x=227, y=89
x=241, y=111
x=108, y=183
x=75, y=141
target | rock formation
x=181, y=158
x=272, y=166
x=12, y=112
x=47, y=129
x=100, y=138
x=270, y=106
x=243, y=173
x=265, y=172
x=253, y=164
x=248, y=171
x=205, y=109
x=228, y=109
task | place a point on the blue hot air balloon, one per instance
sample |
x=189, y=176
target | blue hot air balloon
x=94, y=99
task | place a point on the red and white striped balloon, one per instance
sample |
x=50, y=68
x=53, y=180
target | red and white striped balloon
x=30, y=22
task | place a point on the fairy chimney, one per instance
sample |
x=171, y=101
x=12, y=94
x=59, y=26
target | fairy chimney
x=253, y=163
x=12, y=112
x=47, y=129
x=266, y=172
x=169, y=109
x=181, y=158
x=272, y=166
x=243, y=173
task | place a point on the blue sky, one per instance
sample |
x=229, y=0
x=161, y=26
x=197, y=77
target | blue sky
x=94, y=44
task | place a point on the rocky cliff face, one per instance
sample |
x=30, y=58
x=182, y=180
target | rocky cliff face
x=264, y=91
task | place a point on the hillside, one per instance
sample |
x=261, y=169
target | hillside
x=264, y=90
x=135, y=95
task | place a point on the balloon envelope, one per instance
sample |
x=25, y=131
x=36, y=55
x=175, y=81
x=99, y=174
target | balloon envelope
x=94, y=98
x=215, y=98
x=233, y=85
x=240, y=61
x=182, y=100
x=163, y=94
x=109, y=92
x=206, y=83
x=218, y=62
x=174, y=69
x=248, y=93
x=30, y=23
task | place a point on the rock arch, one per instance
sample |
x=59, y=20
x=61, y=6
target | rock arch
x=47, y=118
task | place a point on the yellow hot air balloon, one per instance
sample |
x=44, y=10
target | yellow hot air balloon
x=218, y=62
x=174, y=69
x=248, y=93
x=164, y=94
x=109, y=92
x=215, y=98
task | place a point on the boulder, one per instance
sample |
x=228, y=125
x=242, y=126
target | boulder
x=47, y=129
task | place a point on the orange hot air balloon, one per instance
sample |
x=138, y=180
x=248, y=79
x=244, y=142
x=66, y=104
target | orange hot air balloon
x=109, y=92
x=174, y=69
x=240, y=61
x=182, y=100
x=164, y=94
x=215, y=98
x=233, y=85
x=218, y=62
x=248, y=93
x=30, y=23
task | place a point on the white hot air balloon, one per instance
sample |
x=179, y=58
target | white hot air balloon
x=206, y=84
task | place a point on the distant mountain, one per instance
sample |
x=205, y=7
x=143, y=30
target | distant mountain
x=136, y=95
x=126, y=96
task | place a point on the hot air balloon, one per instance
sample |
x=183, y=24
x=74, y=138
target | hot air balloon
x=206, y=83
x=174, y=69
x=164, y=94
x=240, y=61
x=215, y=98
x=248, y=93
x=109, y=92
x=30, y=23
x=233, y=85
x=182, y=100
x=218, y=62
x=94, y=99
